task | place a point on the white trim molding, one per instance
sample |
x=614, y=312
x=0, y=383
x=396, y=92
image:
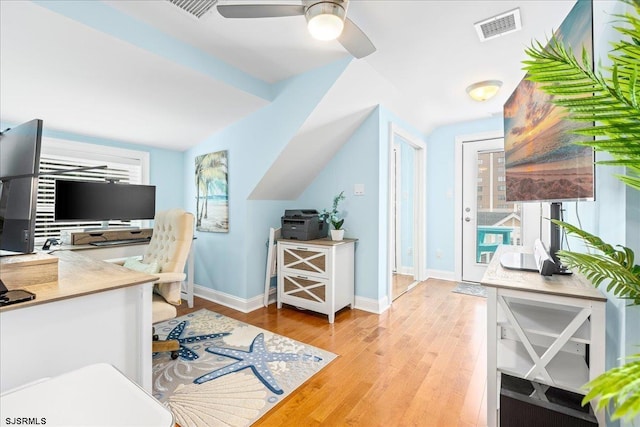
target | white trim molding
x=371, y=305
x=441, y=275
x=420, y=214
x=241, y=304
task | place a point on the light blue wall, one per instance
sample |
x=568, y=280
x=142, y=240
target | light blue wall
x=441, y=191
x=355, y=163
x=364, y=159
x=233, y=263
x=165, y=166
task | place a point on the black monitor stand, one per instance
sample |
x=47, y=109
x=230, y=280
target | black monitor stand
x=8, y=297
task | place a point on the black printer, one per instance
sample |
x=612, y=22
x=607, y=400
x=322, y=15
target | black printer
x=303, y=224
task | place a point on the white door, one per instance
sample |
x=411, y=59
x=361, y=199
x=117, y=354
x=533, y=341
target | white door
x=487, y=220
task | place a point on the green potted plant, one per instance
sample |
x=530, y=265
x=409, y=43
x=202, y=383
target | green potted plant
x=334, y=218
x=611, y=98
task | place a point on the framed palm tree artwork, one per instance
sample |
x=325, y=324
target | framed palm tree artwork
x=212, y=201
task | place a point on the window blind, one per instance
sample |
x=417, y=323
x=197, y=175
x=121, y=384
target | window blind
x=123, y=166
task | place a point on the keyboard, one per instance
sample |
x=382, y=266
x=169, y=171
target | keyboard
x=119, y=242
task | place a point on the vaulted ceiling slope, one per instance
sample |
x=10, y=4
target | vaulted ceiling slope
x=86, y=68
x=147, y=72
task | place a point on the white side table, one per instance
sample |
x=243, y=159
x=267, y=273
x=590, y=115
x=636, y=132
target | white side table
x=542, y=329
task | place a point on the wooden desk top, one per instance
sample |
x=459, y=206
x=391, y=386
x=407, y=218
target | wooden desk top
x=79, y=275
x=325, y=241
x=574, y=285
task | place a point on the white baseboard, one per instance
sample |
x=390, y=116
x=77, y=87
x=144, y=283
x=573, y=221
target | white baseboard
x=442, y=275
x=372, y=305
x=248, y=305
x=231, y=301
x=405, y=270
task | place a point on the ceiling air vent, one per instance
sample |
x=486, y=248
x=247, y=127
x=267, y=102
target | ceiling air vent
x=499, y=25
x=196, y=8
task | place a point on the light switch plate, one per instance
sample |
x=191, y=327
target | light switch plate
x=358, y=189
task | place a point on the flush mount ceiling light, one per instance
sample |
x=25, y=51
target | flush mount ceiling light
x=485, y=90
x=325, y=20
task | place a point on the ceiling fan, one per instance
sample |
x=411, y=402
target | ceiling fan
x=326, y=20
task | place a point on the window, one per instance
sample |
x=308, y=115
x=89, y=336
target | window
x=501, y=178
x=502, y=188
x=480, y=188
x=126, y=166
x=500, y=159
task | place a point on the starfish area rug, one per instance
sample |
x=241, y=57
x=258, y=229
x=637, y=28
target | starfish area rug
x=228, y=373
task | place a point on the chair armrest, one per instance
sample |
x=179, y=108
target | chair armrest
x=170, y=277
x=168, y=285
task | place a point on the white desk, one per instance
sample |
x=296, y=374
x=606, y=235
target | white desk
x=95, y=312
x=538, y=328
x=95, y=395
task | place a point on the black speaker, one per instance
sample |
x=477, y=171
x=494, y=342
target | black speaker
x=521, y=405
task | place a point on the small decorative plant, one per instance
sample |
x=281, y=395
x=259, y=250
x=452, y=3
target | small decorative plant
x=333, y=216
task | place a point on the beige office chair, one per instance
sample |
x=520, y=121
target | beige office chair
x=169, y=248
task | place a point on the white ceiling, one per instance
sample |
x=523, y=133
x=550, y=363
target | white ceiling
x=87, y=81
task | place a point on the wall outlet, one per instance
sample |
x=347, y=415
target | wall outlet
x=439, y=253
x=358, y=189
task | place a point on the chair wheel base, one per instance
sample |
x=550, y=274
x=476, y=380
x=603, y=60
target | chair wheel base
x=174, y=355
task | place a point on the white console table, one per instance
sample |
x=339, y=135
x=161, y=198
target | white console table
x=317, y=275
x=540, y=329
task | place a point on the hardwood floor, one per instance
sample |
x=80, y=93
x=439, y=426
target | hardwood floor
x=421, y=363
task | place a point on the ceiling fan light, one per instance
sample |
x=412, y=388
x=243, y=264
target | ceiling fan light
x=485, y=90
x=325, y=21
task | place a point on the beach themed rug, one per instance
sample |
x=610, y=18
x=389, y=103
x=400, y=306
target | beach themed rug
x=228, y=373
x=474, y=289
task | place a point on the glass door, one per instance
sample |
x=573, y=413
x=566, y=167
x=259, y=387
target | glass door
x=488, y=220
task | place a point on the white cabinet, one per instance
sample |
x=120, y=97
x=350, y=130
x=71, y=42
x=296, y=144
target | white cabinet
x=316, y=275
x=550, y=330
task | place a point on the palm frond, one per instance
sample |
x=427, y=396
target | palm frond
x=619, y=388
x=613, y=266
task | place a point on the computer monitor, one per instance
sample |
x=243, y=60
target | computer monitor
x=19, y=166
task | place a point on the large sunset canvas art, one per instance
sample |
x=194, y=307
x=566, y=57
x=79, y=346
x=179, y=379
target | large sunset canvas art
x=542, y=163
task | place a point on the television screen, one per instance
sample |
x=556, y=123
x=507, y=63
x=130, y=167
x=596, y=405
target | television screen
x=542, y=163
x=102, y=201
x=19, y=165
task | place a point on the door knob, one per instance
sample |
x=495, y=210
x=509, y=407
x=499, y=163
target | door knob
x=467, y=219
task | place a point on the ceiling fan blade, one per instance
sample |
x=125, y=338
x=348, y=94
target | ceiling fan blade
x=355, y=40
x=259, y=10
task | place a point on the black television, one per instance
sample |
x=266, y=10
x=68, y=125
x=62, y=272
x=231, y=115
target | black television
x=20, y=149
x=542, y=161
x=103, y=201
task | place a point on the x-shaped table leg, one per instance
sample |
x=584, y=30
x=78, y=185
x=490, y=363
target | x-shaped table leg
x=540, y=363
